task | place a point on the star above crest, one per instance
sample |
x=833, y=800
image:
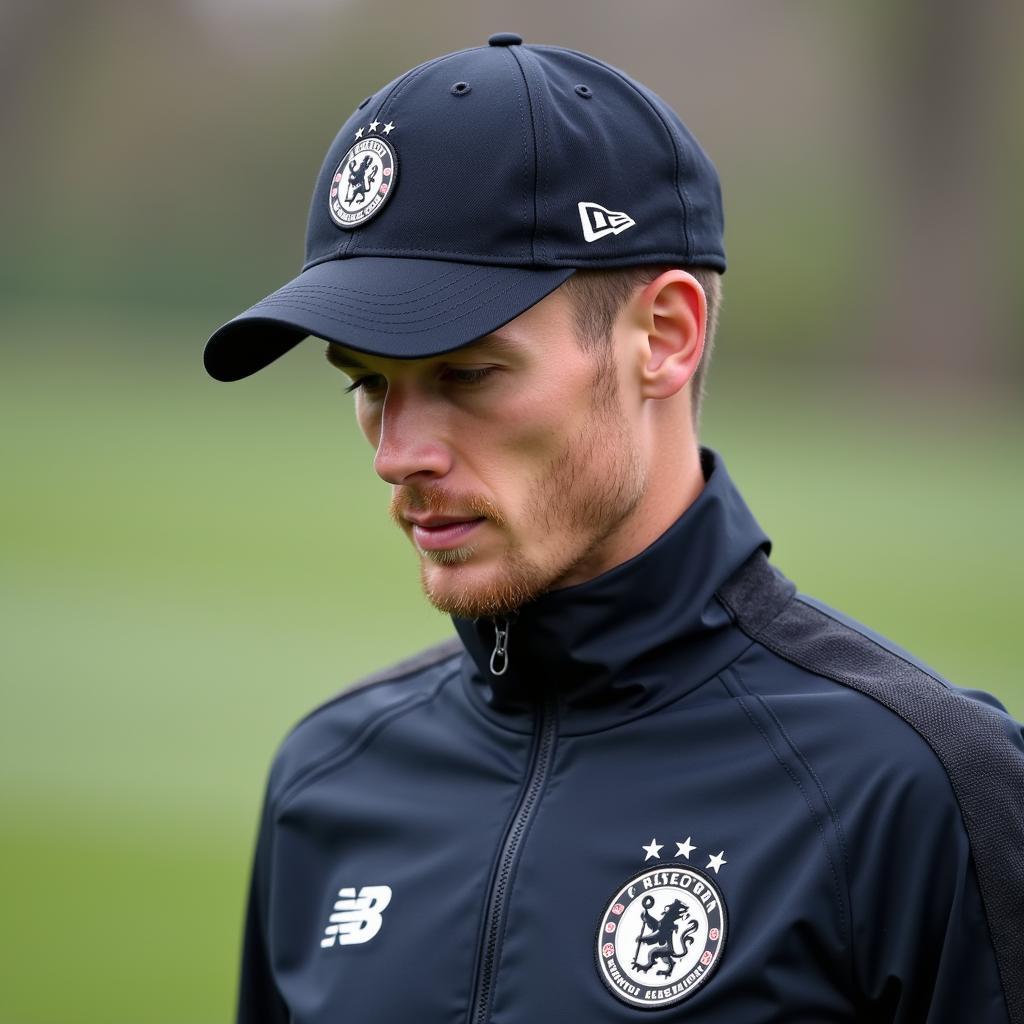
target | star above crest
x=717, y=860
x=685, y=849
x=653, y=849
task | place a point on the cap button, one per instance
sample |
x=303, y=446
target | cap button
x=505, y=39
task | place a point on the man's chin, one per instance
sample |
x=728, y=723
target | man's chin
x=464, y=585
x=447, y=557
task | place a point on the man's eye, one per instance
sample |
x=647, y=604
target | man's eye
x=371, y=383
x=376, y=384
x=469, y=375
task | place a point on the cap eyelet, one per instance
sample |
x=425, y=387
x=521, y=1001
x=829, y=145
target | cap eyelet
x=461, y=89
x=363, y=104
x=584, y=91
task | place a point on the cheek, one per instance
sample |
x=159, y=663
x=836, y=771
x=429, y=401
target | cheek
x=533, y=431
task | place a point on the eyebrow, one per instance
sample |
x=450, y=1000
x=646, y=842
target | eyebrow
x=498, y=344
x=342, y=358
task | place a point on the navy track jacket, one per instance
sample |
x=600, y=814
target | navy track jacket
x=677, y=792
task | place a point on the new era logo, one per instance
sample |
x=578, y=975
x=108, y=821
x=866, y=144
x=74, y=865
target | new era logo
x=356, y=918
x=598, y=222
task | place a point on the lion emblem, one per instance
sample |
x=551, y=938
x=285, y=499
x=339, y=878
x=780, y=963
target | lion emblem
x=670, y=936
x=360, y=178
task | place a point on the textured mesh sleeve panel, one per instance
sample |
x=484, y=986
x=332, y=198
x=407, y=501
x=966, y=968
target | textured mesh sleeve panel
x=980, y=748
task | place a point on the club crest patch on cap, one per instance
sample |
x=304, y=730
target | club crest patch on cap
x=661, y=936
x=364, y=180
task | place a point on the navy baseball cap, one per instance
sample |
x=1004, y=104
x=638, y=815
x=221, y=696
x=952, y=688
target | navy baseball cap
x=469, y=188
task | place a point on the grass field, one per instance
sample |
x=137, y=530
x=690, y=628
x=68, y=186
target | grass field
x=187, y=567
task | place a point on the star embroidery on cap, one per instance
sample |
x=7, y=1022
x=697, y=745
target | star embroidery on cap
x=653, y=850
x=389, y=128
x=717, y=860
x=373, y=125
x=359, y=134
x=685, y=849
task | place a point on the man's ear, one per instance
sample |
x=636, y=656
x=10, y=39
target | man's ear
x=672, y=311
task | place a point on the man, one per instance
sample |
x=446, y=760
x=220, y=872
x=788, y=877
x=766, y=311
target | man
x=646, y=775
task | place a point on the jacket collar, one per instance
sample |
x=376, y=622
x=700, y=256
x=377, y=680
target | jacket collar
x=635, y=637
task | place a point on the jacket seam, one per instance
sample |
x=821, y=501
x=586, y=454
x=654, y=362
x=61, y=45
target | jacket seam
x=394, y=675
x=369, y=731
x=838, y=885
x=833, y=813
x=808, y=666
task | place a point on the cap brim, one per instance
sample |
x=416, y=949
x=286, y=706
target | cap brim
x=401, y=308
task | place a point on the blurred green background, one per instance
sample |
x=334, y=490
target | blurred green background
x=188, y=566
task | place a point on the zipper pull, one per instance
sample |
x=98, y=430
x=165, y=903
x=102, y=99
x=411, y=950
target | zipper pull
x=499, y=656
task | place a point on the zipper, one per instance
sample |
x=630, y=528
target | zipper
x=499, y=656
x=540, y=761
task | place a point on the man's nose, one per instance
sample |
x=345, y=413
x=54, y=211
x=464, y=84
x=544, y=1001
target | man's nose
x=409, y=445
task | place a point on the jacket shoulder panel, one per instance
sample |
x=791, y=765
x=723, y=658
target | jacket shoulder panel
x=979, y=747
x=346, y=720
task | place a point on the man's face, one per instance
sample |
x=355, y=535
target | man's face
x=513, y=463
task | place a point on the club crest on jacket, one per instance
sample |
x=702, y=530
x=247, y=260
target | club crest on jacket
x=661, y=936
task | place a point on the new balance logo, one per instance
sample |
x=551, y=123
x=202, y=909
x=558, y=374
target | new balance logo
x=598, y=222
x=356, y=918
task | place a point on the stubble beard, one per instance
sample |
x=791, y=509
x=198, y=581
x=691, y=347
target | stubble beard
x=570, y=499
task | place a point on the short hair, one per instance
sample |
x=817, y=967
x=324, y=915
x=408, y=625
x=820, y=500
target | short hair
x=598, y=296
